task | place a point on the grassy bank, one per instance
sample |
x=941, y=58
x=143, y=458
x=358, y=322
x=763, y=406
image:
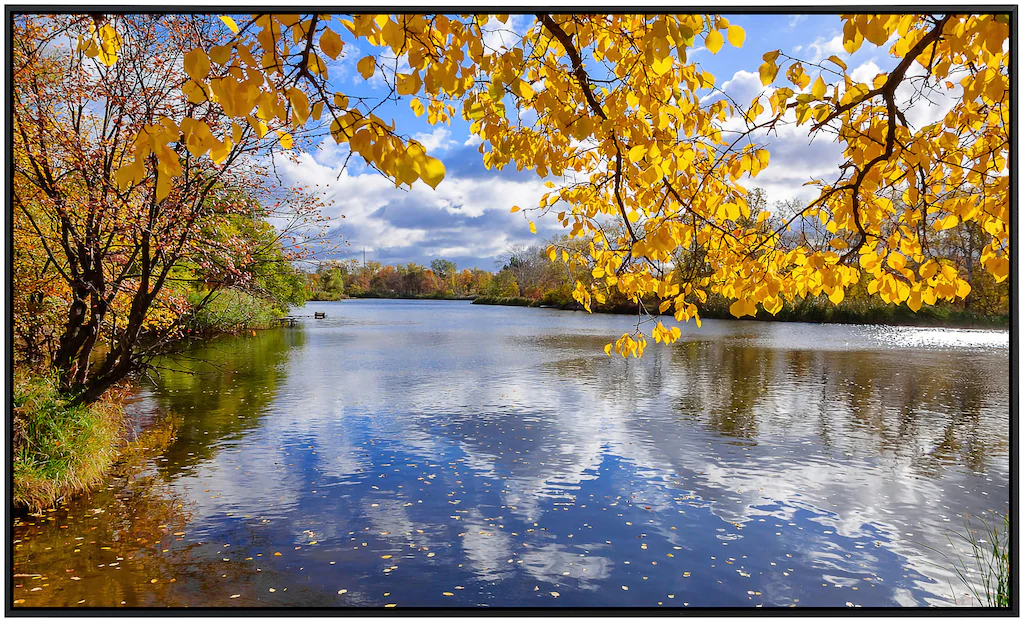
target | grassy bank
x=61, y=451
x=58, y=450
x=814, y=310
x=507, y=301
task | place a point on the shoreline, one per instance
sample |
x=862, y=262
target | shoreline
x=901, y=316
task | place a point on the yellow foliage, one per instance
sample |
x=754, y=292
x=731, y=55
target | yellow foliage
x=639, y=146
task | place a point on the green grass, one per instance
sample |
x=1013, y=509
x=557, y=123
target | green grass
x=987, y=571
x=59, y=450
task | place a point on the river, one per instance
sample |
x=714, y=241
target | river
x=422, y=453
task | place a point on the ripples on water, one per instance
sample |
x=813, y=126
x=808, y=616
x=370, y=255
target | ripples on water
x=442, y=454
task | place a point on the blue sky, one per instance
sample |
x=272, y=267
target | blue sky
x=467, y=218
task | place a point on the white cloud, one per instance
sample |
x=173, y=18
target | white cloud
x=438, y=140
x=866, y=72
x=795, y=21
x=743, y=86
x=466, y=216
x=824, y=47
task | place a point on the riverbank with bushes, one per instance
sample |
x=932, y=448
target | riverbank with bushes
x=813, y=310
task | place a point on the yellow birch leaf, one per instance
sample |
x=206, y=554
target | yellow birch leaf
x=366, y=66
x=330, y=44
x=818, y=90
x=432, y=171
x=197, y=65
x=230, y=23
x=768, y=70
x=736, y=36
x=417, y=107
x=713, y=42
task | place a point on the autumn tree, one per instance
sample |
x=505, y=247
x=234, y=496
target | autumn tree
x=644, y=154
x=116, y=206
x=446, y=271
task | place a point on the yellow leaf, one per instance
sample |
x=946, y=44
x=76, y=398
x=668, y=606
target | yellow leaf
x=407, y=84
x=417, y=107
x=713, y=42
x=300, y=105
x=197, y=65
x=835, y=59
x=738, y=308
x=432, y=171
x=130, y=174
x=608, y=349
x=818, y=90
x=515, y=208
x=837, y=295
x=582, y=128
x=768, y=70
x=948, y=222
x=914, y=301
x=533, y=227
x=523, y=89
x=230, y=23
x=194, y=92
x=736, y=36
x=366, y=66
x=259, y=126
x=285, y=139
x=637, y=153
x=220, y=54
x=330, y=43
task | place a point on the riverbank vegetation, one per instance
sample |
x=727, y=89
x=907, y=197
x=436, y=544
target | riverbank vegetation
x=59, y=449
x=334, y=280
x=987, y=573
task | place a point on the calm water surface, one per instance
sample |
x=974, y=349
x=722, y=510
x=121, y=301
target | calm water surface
x=442, y=454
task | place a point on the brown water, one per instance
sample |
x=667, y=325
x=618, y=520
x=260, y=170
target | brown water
x=443, y=454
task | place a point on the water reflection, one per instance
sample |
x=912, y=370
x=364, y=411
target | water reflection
x=426, y=454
